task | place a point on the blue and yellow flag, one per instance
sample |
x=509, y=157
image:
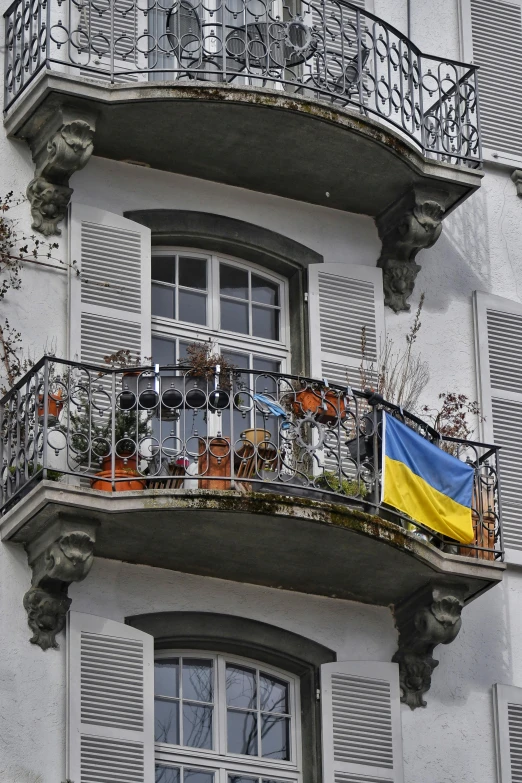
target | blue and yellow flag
x=426, y=483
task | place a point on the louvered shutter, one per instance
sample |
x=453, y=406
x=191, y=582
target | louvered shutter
x=109, y=302
x=119, y=26
x=110, y=701
x=497, y=50
x=361, y=722
x=498, y=325
x=337, y=27
x=343, y=300
x=507, y=702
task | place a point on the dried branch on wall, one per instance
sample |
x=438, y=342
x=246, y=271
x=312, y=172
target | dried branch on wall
x=16, y=249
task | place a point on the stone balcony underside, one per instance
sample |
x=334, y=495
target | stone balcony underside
x=278, y=541
x=260, y=139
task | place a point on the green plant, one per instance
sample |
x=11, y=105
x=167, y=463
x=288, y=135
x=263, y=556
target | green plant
x=88, y=427
x=351, y=487
x=52, y=475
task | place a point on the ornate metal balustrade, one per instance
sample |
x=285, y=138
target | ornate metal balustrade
x=321, y=49
x=248, y=431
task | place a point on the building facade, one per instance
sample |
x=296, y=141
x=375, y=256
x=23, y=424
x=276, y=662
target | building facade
x=199, y=580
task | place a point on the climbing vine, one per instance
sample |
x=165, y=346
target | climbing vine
x=16, y=249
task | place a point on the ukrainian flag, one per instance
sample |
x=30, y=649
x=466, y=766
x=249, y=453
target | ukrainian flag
x=424, y=482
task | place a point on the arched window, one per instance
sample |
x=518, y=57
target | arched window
x=224, y=719
x=241, y=308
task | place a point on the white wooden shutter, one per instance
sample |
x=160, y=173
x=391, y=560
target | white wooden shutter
x=361, y=722
x=497, y=50
x=342, y=300
x=498, y=328
x=109, y=302
x=110, y=701
x=507, y=701
x=114, y=26
x=339, y=47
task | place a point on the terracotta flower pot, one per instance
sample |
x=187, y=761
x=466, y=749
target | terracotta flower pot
x=325, y=408
x=54, y=406
x=122, y=470
x=256, y=436
x=103, y=481
x=125, y=462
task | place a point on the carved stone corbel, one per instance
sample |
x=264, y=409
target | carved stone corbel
x=60, y=146
x=61, y=555
x=517, y=179
x=411, y=224
x=429, y=618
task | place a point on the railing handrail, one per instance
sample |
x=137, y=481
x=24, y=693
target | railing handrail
x=370, y=395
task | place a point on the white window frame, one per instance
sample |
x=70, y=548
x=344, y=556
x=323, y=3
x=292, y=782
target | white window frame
x=218, y=760
x=226, y=340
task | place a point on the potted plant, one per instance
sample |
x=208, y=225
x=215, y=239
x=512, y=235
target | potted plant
x=331, y=482
x=130, y=427
x=327, y=406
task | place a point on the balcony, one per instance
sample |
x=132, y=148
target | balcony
x=317, y=101
x=268, y=479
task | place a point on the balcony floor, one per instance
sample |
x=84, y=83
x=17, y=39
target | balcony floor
x=278, y=541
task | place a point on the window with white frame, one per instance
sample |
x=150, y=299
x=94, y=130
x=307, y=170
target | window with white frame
x=223, y=719
x=241, y=308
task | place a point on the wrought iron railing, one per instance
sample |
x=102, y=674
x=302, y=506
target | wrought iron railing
x=320, y=49
x=240, y=430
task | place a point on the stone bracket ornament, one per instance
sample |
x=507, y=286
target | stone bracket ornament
x=62, y=554
x=413, y=223
x=60, y=146
x=429, y=618
x=517, y=179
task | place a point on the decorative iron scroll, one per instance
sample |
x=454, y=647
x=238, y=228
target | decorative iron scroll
x=319, y=49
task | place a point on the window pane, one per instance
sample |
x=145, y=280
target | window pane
x=167, y=775
x=166, y=714
x=197, y=726
x=274, y=737
x=237, y=359
x=265, y=323
x=192, y=307
x=233, y=281
x=197, y=679
x=234, y=316
x=241, y=687
x=241, y=779
x=267, y=365
x=163, y=351
x=193, y=272
x=274, y=694
x=242, y=732
x=197, y=776
x=166, y=677
x=164, y=268
x=264, y=291
x=163, y=301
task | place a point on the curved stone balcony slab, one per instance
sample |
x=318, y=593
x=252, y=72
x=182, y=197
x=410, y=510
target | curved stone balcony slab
x=279, y=541
x=256, y=138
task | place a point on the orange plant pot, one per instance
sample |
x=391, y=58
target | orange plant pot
x=214, y=460
x=120, y=463
x=103, y=481
x=325, y=409
x=54, y=406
